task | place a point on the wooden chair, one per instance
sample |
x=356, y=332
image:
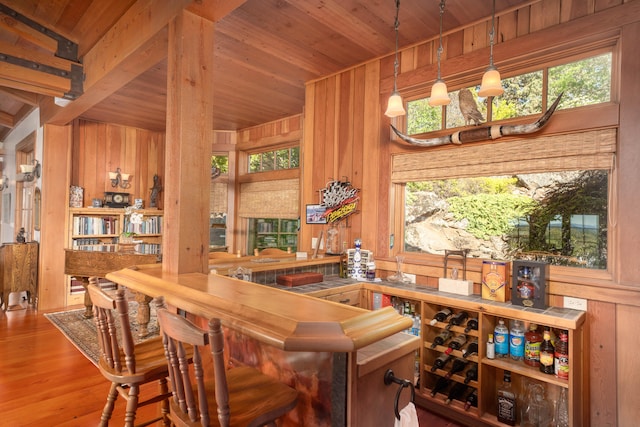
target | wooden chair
x=244, y=396
x=125, y=364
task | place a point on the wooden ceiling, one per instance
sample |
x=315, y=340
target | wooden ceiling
x=265, y=51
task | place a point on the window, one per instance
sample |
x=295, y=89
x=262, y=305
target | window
x=284, y=158
x=218, y=201
x=273, y=233
x=582, y=82
x=557, y=217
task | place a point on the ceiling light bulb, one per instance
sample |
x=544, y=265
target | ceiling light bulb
x=491, y=83
x=439, y=94
x=395, y=106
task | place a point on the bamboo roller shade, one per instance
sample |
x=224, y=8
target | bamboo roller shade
x=270, y=199
x=218, y=200
x=577, y=151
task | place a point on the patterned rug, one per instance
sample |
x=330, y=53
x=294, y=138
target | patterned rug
x=82, y=332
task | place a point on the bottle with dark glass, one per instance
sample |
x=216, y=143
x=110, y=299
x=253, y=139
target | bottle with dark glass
x=561, y=362
x=471, y=374
x=457, y=365
x=547, y=354
x=457, y=342
x=456, y=392
x=441, y=316
x=472, y=325
x=440, y=386
x=471, y=349
x=458, y=319
x=440, y=362
x=471, y=400
x=507, y=401
x=441, y=338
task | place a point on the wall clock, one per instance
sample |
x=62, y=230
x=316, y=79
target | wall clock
x=116, y=200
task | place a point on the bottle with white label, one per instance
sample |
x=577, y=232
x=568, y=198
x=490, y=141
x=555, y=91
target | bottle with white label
x=491, y=348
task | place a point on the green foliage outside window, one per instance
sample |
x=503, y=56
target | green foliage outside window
x=286, y=158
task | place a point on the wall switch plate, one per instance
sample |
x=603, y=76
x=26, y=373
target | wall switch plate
x=575, y=303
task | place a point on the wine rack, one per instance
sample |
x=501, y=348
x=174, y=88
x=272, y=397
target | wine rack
x=490, y=372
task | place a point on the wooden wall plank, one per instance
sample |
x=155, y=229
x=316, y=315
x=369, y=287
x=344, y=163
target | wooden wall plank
x=601, y=363
x=627, y=341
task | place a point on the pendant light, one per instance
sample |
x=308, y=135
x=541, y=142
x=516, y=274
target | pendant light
x=439, y=93
x=395, y=105
x=491, y=84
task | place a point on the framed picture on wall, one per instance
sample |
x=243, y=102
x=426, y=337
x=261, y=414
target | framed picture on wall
x=315, y=214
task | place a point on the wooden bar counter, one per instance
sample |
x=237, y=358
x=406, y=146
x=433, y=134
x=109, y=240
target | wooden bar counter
x=285, y=320
x=332, y=353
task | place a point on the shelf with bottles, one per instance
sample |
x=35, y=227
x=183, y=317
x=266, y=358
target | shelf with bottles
x=455, y=394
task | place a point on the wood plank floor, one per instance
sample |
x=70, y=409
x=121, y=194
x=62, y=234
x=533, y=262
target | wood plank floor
x=46, y=381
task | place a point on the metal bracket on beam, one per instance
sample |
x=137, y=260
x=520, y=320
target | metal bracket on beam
x=66, y=48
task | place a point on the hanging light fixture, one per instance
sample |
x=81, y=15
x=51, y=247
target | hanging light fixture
x=439, y=92
x=491, y=84
x=395, y=105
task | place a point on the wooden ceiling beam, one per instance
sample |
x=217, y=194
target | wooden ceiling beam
x=20, y=96
x=214, y=10
x=6, y=120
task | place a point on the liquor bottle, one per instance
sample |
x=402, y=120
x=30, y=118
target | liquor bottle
x=532, y=341
x=458, y=319
x=501, y=337
x=472, y=324
x=506, y=401
x=456, y=366
x=561, y=356
x=458, y=342
x=491, y=348
x=456, y=392
x=441, y=338
x=471, y=374
x=441, y=384
x=516, y=340
x=471, y=349
x=547, y=354
x=440, y=362
x=471, y=400
x=562, y=410
x=441, y=316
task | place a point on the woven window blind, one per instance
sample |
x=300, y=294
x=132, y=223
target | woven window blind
x=270, y=199
x=578, y=151
x=218, y=200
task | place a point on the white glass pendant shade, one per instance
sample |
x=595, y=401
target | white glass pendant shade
x=491, y=83
x=439, y=94
x=395, y=106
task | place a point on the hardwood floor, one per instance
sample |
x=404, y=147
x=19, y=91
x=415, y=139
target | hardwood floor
x=46, y=381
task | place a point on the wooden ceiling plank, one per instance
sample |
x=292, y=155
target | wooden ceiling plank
x=6, y=120
x=39, y=82
x=25, y=97
x=27, y=87
x=214, y=10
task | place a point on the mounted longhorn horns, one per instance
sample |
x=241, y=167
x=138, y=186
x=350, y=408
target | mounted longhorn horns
x=483, y=133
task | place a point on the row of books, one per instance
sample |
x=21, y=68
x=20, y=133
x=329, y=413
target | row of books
x=87, y=225
x=149, y=225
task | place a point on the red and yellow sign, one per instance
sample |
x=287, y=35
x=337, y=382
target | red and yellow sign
x=340, y=199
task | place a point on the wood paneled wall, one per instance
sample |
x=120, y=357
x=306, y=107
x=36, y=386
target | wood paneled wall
x=101, y=148
x=346, y=135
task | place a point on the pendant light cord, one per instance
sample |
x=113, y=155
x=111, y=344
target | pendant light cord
x=440, y=46
x=491, y=33
x=395, y=64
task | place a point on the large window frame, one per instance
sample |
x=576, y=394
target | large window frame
x=397, y=219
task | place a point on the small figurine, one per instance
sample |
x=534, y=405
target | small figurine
x=20, y=237
x=155, y=191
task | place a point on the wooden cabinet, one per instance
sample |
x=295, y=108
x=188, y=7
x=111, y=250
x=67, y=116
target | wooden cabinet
x=19, y=271
x=490, y=371
x=353, y=298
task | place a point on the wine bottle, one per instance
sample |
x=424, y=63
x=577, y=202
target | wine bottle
x=547, y=354
x=441, y=338
x=456, y=392
x=507, y=401
x=441, y=384
x=471, y=349
x=471, y=400
x=457, y=365
x=440, y=362
x=458, y=319
x=472, y=324
x=457, y=342
x=471, y=374
x=441, y=316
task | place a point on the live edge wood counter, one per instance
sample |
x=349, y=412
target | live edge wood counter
x=285, y=320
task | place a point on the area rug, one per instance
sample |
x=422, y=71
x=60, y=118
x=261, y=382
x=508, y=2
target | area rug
x=82, y=332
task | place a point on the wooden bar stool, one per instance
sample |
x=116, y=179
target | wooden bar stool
x=125, y=364
x=244, y=396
